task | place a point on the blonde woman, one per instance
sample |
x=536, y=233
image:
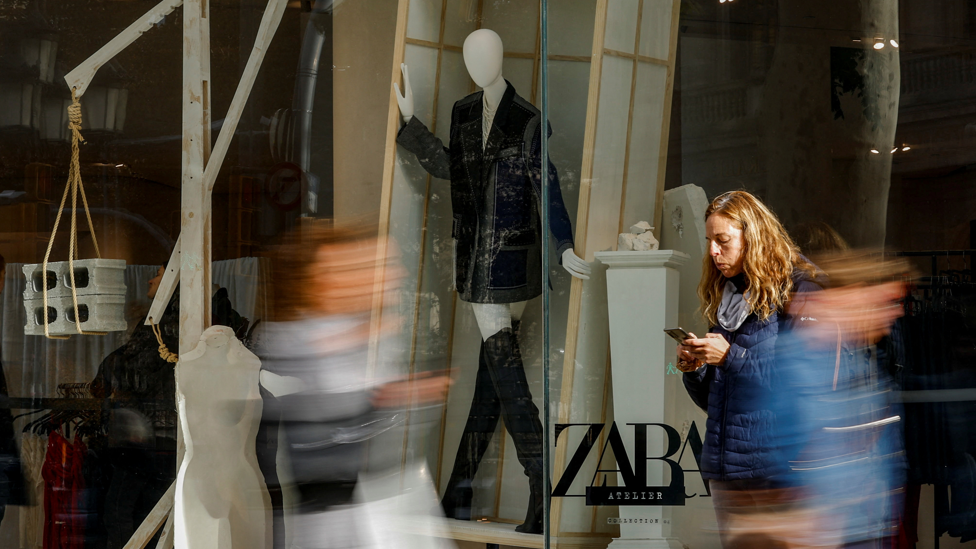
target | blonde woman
x=752, y=273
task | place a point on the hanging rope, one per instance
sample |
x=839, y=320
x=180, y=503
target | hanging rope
x=75, y=186
x=164, y=352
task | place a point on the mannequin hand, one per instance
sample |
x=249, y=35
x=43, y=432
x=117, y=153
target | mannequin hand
x=575, y=265
x=711, y=349
x=405, y=99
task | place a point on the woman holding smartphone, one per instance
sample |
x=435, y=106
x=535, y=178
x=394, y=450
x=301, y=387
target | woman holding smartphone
x=752, y=273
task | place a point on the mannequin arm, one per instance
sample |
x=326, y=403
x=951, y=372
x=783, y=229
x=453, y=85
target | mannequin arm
x=559, y=223
x=575, y=265
x=416, y=138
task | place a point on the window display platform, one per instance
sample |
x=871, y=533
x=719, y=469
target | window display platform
x=503, y=534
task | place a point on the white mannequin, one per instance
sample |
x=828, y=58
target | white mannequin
x=222, y=499
x=483, y=57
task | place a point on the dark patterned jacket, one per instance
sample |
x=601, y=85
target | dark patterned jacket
x=496, y=197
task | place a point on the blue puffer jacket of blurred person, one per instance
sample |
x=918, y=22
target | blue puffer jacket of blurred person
x=739, y=442
x=843, y=443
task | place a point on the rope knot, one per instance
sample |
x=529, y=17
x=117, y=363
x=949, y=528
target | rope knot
x=164, y=352
x=74, y=117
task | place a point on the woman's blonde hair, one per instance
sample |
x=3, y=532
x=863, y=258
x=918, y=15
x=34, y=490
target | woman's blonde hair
x=770, y=257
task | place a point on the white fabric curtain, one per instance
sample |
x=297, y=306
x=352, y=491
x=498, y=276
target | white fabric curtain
x=34, y=365
x=246, y=282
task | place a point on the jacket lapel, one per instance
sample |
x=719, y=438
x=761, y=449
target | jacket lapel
x=470, y=133
x=497, y=135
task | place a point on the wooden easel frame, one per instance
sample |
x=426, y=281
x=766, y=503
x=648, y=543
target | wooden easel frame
x=191, y=256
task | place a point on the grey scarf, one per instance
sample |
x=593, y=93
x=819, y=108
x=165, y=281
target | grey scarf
x=733, y=309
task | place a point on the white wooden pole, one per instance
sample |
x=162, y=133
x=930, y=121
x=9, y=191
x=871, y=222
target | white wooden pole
x=195, y=242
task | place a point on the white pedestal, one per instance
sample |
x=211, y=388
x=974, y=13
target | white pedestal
x=642, y=296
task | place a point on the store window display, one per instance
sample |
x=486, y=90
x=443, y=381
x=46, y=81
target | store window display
x=140, y=386
x=12, y=483
x=221, y=495
x=494, y=164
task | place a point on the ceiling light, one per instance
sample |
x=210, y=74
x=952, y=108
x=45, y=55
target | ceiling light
x=893, y=43
x=879, y=45
x=906, y=148
x=875, y=151
x=893, y=150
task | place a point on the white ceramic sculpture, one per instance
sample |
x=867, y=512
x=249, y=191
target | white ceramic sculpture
x=221, y=498
x=639, y=239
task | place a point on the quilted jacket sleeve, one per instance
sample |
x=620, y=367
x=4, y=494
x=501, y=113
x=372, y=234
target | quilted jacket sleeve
x=559, y=223
x=429, y=149
x=696, y=383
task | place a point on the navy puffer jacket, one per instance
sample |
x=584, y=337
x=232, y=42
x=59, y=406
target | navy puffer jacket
x=739, y=442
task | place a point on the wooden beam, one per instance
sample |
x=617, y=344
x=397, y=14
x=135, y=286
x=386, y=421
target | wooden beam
x=424, y=43
x=575, y=58
x=386, y=194
x=582, y=224
x=81, y=76
x=662, y=163
x=171, y=277
x=156, y=518
x=195, y=237
x=166, y=537
x=630, y=118
x=421, y=259
x=266, y=31
x=641, y=58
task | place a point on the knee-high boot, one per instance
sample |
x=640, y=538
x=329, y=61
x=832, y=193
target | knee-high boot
x=478, y=431
x=521, y=417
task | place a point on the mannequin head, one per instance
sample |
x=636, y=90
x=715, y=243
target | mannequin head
x=483, y=54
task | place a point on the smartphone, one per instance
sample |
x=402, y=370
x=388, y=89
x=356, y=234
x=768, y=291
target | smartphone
x=678, y=334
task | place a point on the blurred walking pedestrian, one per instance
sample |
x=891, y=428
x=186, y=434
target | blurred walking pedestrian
x=315, y=361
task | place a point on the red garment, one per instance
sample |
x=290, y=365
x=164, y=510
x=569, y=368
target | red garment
x=909, y=526
x=63, y=483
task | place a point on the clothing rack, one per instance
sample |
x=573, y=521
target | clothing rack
x=935, y=255
x=941, y=279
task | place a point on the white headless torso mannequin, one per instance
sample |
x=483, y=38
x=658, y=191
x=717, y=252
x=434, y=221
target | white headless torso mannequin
x=483, y=57
x=223, y=498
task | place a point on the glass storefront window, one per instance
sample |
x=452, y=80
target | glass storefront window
x=446, y=238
